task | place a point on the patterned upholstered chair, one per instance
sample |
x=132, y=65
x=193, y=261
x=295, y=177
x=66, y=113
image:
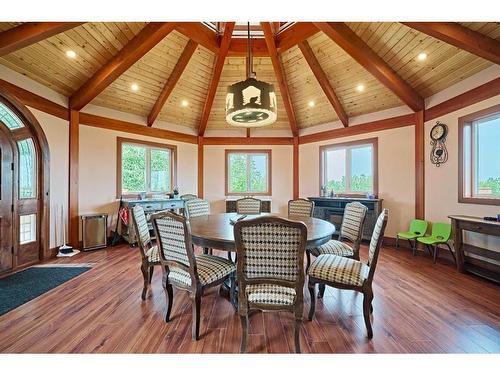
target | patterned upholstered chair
x=149, y=252
x=188, y=197
x=300, y=207
x=345, y=273
x=249, y=206
x=197, y=207
x=185, y=270
x=270, y=268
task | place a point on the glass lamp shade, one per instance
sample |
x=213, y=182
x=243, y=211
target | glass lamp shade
x=250, y=104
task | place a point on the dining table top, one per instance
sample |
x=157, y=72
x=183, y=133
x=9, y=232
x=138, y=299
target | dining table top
x=216, y=231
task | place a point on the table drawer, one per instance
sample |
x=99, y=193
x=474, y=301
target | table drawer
x=171, y=205
x=483, y=228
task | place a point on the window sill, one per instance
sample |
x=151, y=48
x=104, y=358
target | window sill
x=484, y=201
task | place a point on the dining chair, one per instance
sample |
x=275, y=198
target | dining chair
x=196, y=207
x=249, y=206
x=188, y=197
x=185, y=270
x=345, y=273
x=270, y=269
x=149, y=253
x=300, y=207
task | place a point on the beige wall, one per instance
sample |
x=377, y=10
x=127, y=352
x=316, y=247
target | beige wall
x=396, y=175
x=282, y=179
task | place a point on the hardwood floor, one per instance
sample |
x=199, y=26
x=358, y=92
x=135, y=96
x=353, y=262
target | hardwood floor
x=419, y=307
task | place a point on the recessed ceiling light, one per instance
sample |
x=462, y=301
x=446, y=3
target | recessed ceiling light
x=71, y=54
x=311, y=103
x=360, y=88
x=134, y=87
x=184, y=103
x=422, y=56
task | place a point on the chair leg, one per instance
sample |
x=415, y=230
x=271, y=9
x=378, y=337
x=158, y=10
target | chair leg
x=232, y=292
x=151, y=270
x=145, y=276
x=321, y=291
x=244, y=333
x=312, y=293
x=397, y=242
x=169, y=295
x=451, y=251
x=196, y=301
x=413, y=246
x=436, y=250
x=308, y=257
x=298, y=322
x=367, y=307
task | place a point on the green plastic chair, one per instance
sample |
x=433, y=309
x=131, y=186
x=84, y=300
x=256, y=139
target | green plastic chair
x=441, y=233
x=417, y=229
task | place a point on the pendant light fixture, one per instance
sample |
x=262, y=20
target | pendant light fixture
x=251, y=103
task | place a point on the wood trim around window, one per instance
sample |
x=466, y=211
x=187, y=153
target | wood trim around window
x=462, y=122
x=367, y=141
x=120, y=141
x=269, y=171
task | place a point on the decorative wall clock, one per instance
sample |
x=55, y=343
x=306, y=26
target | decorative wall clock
x=439, y=153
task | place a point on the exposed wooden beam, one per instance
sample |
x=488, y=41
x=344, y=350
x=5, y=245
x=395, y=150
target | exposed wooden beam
x=280, y=76
x=73, y=214
x=238, y=47
x=419, y=166
x=248, y=132
x=295, y=167
x=201, y=34
x=172, y=80
x=367, y=127
x=219, y=65
x=347, y=39
x=142, y=43
x=30, y=33
x=323, y=82
x=201, y=159
x=459, y=36
x=295, y=34
x=253, y=141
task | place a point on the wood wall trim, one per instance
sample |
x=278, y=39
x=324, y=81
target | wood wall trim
x=419, y=166
x=280, y=76
x=347, y=39
x=296, y=186
x=269, y=153
x=172, y=80
x=73, y=209
x=214, y=84
x=31, y=32
x=323, y=81
x=201, y=164
x=367, y=127
x=473, y=96
x=141, y=44
x=462, y=37
x=278, y=141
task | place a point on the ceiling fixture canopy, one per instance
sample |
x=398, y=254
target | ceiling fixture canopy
x=251, y=103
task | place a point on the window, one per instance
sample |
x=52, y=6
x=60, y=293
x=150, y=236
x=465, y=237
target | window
x=27, y=169
x=145, y=167
x=248, y=172
x=350, y=168
x=27, y=228
x=9, y=118
x=479, y=172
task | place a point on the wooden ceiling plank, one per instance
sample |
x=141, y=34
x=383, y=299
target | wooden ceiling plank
x=30, y=33
x=343, y=36
x=143, y=42
x=323, y=81
x=294, y=34
x=461, y=37
x=280, y=76
x=219, y=65
x=200, y=34
x=172, y=80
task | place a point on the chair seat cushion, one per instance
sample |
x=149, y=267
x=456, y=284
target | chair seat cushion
x=431, y=240
x=334, y=247
x=337, y=269
x=153, y=254
x=269, y=294
x=409, y=235
x=210, y=268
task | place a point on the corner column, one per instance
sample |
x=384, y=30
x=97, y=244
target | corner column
x=295, y=167
x=73, y=218
x=200, y=167
x=419, y=166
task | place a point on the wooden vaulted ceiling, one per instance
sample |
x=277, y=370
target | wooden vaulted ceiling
x=320, y=62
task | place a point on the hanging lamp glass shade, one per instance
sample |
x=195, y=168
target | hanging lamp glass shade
x=251, y=103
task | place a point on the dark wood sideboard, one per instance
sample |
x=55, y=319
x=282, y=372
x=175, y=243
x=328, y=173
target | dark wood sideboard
x=231, y=204
x=332, y=209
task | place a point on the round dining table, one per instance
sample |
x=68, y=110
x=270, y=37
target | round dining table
x=216, y=231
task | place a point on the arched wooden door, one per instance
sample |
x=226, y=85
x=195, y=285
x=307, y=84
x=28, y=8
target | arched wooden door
x=24, y=203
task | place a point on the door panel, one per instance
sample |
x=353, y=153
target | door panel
x=6, y=201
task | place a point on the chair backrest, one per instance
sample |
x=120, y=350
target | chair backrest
x=174, y=240
x=300, y=207
x=441, y=231
x=188, y=197
x=418, y=226
x=376, y=241
x=197, y=207
x=141, y=229
x=248, y=205
x=353, y=221
x=270, y=250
